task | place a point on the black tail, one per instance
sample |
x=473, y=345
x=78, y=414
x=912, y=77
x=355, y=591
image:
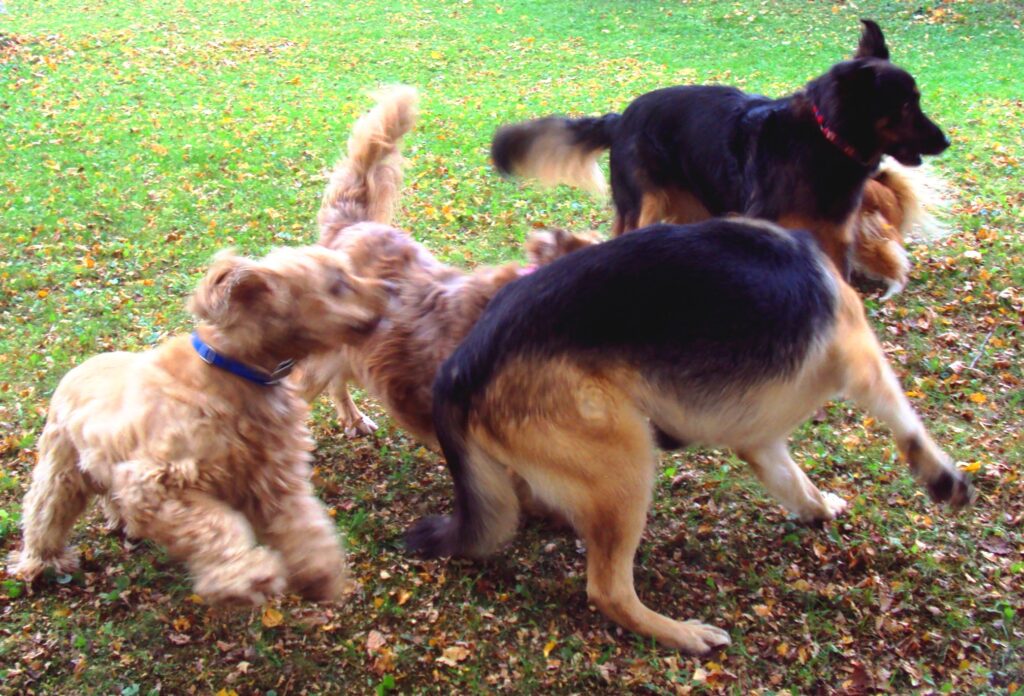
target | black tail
x=555, y=150
x=486, y=507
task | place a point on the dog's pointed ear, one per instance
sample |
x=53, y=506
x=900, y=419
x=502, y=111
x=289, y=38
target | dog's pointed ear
x=231, y=281
x=872, y=42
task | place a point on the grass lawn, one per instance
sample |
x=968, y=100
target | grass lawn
x=136, y=138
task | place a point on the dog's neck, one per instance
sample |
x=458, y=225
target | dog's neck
x=838, y=140
x=857, y=147
x=258, y=367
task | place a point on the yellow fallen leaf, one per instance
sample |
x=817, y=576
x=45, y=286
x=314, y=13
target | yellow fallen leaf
x=971, y=468
x=272, y=617
x=549, y=647
x=403, y=597
x=978, y=398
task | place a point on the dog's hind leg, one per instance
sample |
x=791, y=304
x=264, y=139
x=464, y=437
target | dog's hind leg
x=871, y=383
x=787, y=483
x=214, y=539
x=57, y=497
x=603, y=484
x=486, y=511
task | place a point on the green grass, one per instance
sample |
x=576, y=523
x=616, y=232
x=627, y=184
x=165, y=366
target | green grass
x=136, y=138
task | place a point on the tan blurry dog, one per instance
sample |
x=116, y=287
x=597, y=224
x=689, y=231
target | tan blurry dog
x=897, y=202
x=208, y=454
x=433, y=305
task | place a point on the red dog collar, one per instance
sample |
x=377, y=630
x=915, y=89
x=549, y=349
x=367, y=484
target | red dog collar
x=834, y=138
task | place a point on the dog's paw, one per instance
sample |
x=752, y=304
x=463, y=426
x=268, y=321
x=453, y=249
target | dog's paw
x=696, y=638
x=359, y=428
x=433, y=536
x=318, y=570
x=835, y=505
x=953, y=488
x=250, y=579
x=29, y=566
x=832, y=507
x=328, y=585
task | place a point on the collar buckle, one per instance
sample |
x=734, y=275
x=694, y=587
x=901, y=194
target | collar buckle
x=281, y=371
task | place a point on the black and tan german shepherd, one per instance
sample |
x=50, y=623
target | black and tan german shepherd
x=729, y=332
x=684, y=154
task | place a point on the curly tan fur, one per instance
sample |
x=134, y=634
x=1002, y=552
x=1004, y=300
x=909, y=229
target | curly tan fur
x=365, y=183
x=433, y=306
x=196, y=458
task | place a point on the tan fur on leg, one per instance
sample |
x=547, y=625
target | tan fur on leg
x=786, y=482
x=870, y=382
x=594, y=464
x=297, y=525
x=57, y=496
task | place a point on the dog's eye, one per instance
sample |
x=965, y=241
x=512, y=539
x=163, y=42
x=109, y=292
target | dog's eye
x=339, y=287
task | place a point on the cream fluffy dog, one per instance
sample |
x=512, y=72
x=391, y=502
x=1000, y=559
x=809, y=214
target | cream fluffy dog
x=209, y=454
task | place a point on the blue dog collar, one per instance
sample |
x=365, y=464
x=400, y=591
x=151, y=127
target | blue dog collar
x=212, y=357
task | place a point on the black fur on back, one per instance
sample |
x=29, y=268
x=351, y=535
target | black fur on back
x=717, y=305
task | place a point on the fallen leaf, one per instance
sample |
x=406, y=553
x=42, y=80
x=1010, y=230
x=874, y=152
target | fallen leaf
x=453, y=655
x=549, y=647
x=272, y=617
x=375, y=640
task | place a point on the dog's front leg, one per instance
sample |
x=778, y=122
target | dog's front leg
x=214, y=539
x=299, y=528
x=57, y=497
x=354, y=422
x=788, y=484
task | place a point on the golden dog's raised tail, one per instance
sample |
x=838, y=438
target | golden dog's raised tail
x=364, y=184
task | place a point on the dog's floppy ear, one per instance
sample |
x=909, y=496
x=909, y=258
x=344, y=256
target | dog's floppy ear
x=231, y=281
x=872, y=42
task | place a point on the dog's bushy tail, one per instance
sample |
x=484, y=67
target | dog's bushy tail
x=364, y=184
x=899, y=203
x=486, y=506
x=555, y=150
x=921, y=194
